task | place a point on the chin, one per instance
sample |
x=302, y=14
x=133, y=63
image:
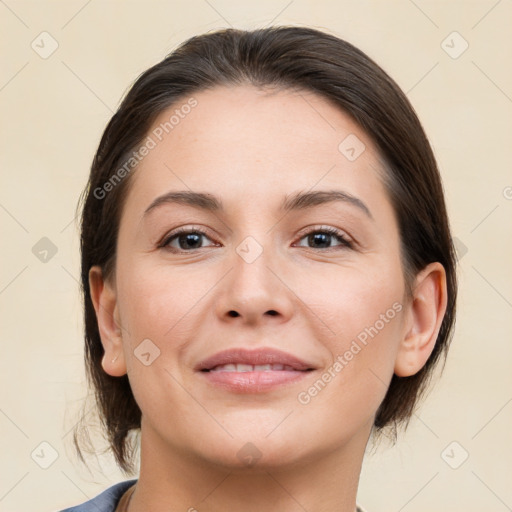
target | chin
x=253, y=455
x=262, y=444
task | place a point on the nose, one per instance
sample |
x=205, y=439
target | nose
x=254, y=290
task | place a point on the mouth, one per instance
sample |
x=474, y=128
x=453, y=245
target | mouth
x=242, y=368
x=244, y=360
x=253, y=371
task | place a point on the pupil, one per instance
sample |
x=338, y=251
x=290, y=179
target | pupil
x=189, y=240
x=320, y=238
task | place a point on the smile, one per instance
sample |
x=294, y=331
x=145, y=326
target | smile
x=252, y=368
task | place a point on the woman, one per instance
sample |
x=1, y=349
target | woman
x=268, y=273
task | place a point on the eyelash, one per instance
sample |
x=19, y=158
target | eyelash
x=344, y=243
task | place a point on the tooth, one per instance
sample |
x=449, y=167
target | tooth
x=252, y=368
x=226, y=368
x=263, y=367
x=244, y=367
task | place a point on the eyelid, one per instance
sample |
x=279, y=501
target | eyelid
x=192, y=228
x=345, y=240
x=323, y=227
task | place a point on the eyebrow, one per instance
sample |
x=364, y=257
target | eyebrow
x=303, y=200
x=295, y=202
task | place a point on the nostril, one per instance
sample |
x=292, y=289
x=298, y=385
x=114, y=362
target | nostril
x=233, y=313
x=272, y=312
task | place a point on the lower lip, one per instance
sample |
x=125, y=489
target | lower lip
x=253, y=382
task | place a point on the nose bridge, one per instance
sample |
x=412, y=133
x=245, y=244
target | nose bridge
x=252, y=291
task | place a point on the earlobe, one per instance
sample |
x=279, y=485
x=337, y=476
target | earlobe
x=426, y=312
x=104, y=299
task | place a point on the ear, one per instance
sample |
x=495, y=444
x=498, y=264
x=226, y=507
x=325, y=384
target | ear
x=425, y=315
x=104, y=299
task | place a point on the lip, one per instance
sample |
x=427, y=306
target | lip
x=254, y=357
x=253, y=381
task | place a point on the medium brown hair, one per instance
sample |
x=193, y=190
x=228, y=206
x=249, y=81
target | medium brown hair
x=299, y=58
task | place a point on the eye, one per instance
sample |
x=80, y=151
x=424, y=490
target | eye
x=322, y=238
x=185, y=240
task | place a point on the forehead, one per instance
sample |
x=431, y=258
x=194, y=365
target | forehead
x=242, y=142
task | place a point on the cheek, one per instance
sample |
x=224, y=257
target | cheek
x=156, y=307
x=164, y=305
x=155, y=297
x=348, y=392
x=348, y=299
x=364, y=315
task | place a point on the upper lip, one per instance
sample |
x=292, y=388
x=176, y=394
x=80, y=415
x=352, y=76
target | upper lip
x=254, y=357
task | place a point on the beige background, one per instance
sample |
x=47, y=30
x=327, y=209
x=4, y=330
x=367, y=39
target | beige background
x=54, y=110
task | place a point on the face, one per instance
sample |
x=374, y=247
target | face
x=210, y=292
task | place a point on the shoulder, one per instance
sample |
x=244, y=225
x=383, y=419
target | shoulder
x=106, y=501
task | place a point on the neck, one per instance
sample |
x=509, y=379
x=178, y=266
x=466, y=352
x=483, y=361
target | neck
x=172, y=480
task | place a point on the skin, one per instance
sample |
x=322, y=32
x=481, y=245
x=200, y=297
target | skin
x=250, y=148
